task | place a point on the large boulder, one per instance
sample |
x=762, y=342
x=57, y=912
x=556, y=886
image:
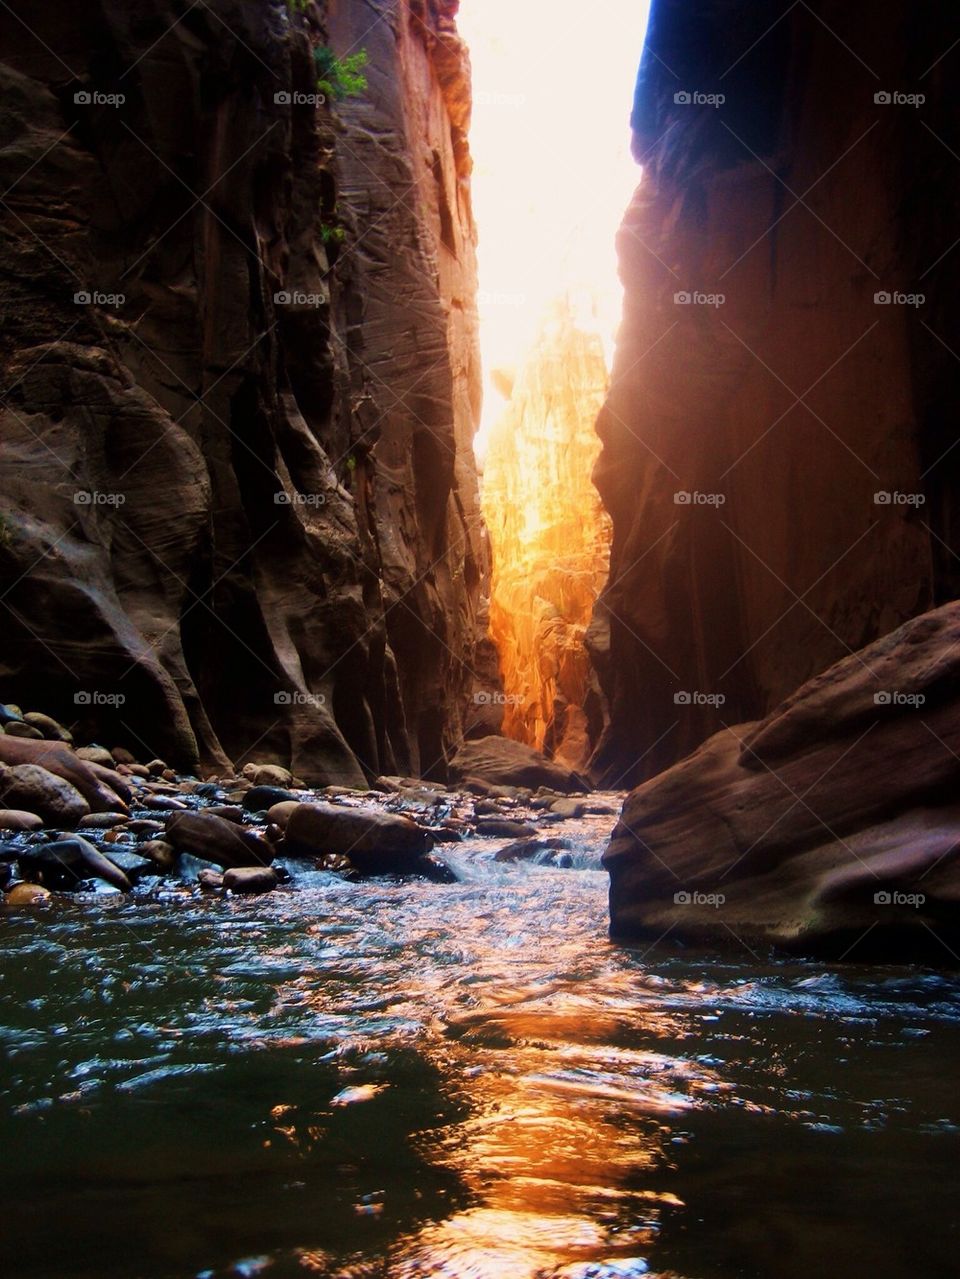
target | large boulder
x=104, y=790
x=214, y=839
x=37, y=790
x=501, y=761
x=831, y=826
x=65, y=863
x=375, y=842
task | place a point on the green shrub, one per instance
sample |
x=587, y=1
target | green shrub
x=331, y=235
x=340, y=78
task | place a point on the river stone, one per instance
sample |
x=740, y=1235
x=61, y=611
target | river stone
x=163, y=803
x=42, y=792
x=133, y=864
x=104, y=789
x=528, y=849
x=96, y=755
x=18, y=819
x=64, y=862
x=9, y=714
x=216, y=840
x=102, y=821
x=48, y=727
x=20, y=729
x=163, y=855
x=259, y=798
x=568, y=808
x=229, y=813
x=268, y=775
x=375, y=842
x=500, y=761
x=26, y=895
x=505, y=828
x=211, y=881
x=122, y=756
x=279, y=814
x=250, y=879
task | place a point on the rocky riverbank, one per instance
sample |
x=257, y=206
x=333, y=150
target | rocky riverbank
x=92, y=819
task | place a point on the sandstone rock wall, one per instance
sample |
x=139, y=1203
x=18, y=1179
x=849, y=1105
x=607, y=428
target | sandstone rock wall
x=549, y=539
x=796, y=399
x=280, y=555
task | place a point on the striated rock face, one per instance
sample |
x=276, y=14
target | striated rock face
x=752, y=421
x=549, y=539
x=240, y=513
x=830, y=826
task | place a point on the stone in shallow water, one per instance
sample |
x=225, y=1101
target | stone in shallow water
x=250, y=879
x=18, y=819
x=26, y=895
x=217, y=840
x=499, y=761
x=65, y=863
x=505, y=828
x=376, y=843
x=38, y=790
x=48, y=727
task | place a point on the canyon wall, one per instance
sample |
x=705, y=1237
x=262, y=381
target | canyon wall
x=778, y=439
x=240, y=515
x=549, y=539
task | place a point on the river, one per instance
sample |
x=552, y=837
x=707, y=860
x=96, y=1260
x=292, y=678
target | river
x=389, y=1080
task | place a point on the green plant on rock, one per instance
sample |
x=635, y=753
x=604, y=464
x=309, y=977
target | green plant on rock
x=340, y=78
x=332, y=236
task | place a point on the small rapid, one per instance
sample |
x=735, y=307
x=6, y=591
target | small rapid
x=399, y=1079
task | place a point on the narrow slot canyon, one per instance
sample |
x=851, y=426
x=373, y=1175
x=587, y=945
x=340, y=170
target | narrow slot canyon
x=479, y=639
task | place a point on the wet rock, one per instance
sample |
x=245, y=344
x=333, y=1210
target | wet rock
x=375, y=842
x=157, y=768
x=26, y=895
x=268, y=775
x=19, y=729
x=48, y=727
x=17, y=819
x=133, y=864
x=229, y=813
x=102, y=821
x=259, y=798
x=529, y=849
x=568, y=808
x=9, y=714
x=499, y=761
x=122, y=756
x=39, y=791
x=163, y=855
x=211, y=881
x=145, y=826
x=718, y=848
x=163, y=803
x=96, y=755
x=504, y=828
x=102, y=788
x=279, y=814
x=250, y=879
x=217, y=840
x=64, y=863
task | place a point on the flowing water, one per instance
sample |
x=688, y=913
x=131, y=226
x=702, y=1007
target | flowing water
x=390, y=1080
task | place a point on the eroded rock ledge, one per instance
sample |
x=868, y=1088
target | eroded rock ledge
x=832, y=826
x=239, y=503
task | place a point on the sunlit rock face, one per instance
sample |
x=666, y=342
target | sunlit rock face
x=549, y=538
x=271, y=400
x=753, y=418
